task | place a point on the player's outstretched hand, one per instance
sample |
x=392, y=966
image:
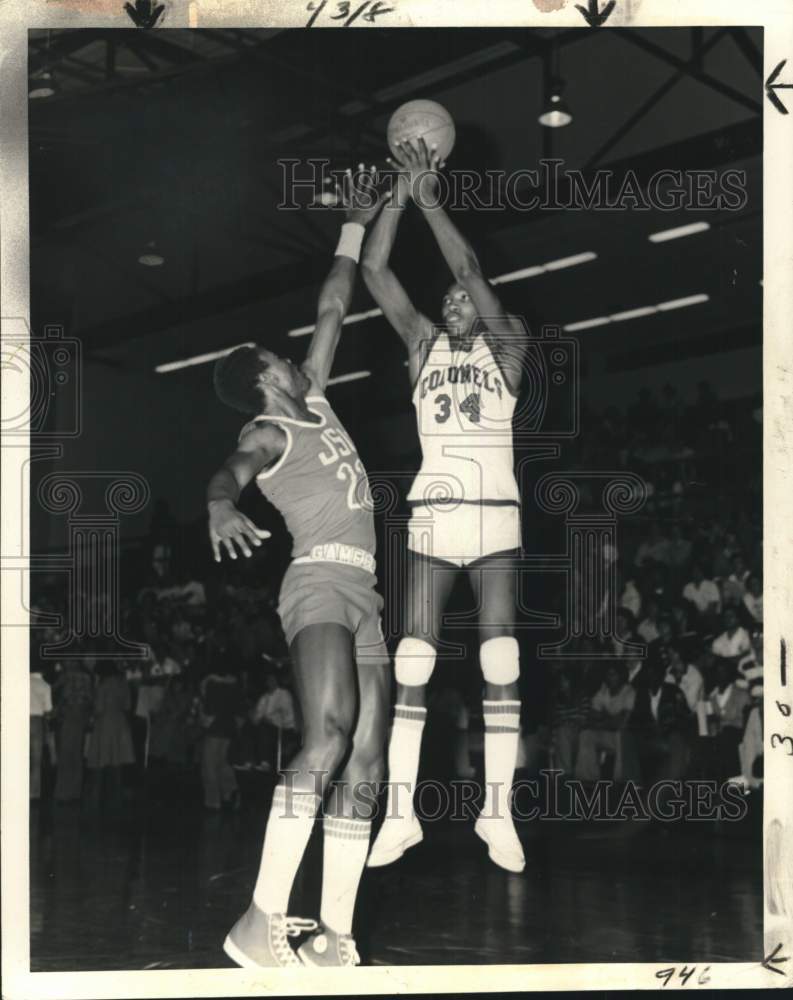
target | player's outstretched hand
x=421, y=164
x=229, y=527
x=362, y=199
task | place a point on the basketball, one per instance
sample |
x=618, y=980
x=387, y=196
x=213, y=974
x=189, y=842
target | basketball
x=422, y=119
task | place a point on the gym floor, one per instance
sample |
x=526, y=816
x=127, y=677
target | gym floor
x=161, y=892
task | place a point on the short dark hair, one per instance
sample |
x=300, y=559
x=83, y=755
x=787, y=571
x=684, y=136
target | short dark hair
x=235, y=379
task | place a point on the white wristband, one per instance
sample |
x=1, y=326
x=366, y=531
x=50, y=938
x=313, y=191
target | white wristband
x=350, y=241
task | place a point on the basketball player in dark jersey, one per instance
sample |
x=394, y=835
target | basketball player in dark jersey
x=305, y=463
x=466, y=377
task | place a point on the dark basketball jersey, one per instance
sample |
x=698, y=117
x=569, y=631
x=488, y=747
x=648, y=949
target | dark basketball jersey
x=319, y=484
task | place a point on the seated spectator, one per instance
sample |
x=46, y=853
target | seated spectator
x=753, y=598
x=631, y=599
x=734, y=587
x=727, y=709
x=687, y=638
x=161, y=663
x=648, y=627
x=569, y=711
x=605, y=728
x=40, y=713
x=703, y=594
x=666, y=636
x=626, y=633
x=662, y=725
x=733, y=643
x=725, y=552
x=685, y=676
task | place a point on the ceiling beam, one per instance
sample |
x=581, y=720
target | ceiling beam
x=754, y=56
x=698, y=51
x=64, y=44
x=635, y=38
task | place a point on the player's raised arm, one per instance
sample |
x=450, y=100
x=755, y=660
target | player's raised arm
x=384, y=286
x=363, y=204
x=506, y=336
x=228, y=525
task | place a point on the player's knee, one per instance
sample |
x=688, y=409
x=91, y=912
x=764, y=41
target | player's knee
x=500, y=660
x=329, y=736
x=414, y=662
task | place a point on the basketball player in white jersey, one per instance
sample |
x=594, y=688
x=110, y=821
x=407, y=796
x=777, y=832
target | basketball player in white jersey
x=465, y=382
x=303, y=461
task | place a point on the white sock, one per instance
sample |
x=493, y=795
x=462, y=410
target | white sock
x=404, y=749
x=502, y=732
x=289, y=826
x=345, y=847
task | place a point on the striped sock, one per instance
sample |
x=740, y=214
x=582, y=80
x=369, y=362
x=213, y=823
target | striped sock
x=289, y=826
x=502, y=731
x=404, y=749
x=344, y=851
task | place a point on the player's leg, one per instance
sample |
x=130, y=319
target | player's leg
x=325, y=683
x=494, y=582
x=348, y=816
x=429, y=585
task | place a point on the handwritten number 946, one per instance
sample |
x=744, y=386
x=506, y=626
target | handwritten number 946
x=685, y=974
x=347, y=11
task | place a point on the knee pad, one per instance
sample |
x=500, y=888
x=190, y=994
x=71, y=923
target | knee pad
x=500, y=660
x=414, y=662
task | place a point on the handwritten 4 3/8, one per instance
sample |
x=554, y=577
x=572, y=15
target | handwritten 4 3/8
x=348, y=12
x=684, y=975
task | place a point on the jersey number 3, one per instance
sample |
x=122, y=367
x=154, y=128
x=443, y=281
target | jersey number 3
x=470, y=406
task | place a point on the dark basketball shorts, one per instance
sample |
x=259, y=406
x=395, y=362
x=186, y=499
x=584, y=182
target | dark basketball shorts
x=320, y=593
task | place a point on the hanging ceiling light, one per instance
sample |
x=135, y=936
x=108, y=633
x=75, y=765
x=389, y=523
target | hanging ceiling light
x=42, y=83
x=555, y=113
x=151, y=256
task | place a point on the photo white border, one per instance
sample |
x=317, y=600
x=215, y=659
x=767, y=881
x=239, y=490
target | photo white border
x=776, y=17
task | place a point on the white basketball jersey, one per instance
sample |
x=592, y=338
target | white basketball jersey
x=464, y=412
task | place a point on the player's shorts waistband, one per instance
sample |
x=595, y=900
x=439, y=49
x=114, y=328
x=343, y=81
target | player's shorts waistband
x=336, y=552
x=456, y=501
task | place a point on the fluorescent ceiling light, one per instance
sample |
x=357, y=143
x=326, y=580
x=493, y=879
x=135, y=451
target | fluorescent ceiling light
x=526, y=272
x=200, y=359
x=302, y=331
x=349, y=377
x=674, y=234
x=579, y=258
x=585, y=324
x=633, y=313
x=552, y=265
x=689, y=300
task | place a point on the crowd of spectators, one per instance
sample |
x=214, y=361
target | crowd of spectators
x=689, y=590
x=213, y=696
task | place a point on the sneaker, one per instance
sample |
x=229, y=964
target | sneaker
x=260, y=940
x=394, y=838
x=503, y=845
x=326, y=947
